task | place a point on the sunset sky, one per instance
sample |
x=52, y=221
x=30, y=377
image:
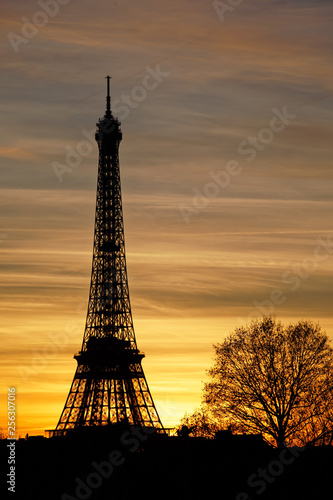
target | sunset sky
x=226, y=167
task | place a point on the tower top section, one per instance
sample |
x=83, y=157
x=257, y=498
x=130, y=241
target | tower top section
x=108, y=134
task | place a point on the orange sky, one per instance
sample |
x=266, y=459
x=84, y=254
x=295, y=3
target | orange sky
x=208, y=247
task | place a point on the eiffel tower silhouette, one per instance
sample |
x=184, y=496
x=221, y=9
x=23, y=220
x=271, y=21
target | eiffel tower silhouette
x=109, y=384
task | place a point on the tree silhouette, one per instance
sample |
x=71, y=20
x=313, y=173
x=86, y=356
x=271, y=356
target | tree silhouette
x=200, y=423
x=275, y=381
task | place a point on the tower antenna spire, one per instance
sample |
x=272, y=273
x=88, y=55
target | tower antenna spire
x=108, y=97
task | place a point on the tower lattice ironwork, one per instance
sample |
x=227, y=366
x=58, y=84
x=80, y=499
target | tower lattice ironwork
x=109, y=384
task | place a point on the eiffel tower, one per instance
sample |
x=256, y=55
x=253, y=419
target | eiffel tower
x=109, y=384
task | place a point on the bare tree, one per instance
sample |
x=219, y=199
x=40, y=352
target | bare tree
x=275, y=381
x=200, y=423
